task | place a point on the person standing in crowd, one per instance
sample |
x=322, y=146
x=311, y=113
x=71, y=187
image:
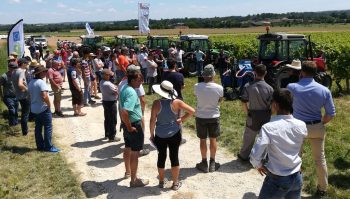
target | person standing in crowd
x=178, y=58
x=113, y=66
x=48, y=59
x=123, y=60
x=256, y=101
x=19, y=82
x=209, y=95
x=109, y=99
x=32, y=49
x=200, y=57
x=176, y=78
x=151, y=72
x=8, y=95
x=15, y=55
x=40, y=106
x=74, y=80
x=131, y=115
x=98, y=66
x=276, y=151
x=41, y=51
x=93, y=76
x=56, y=82
x=222, y=63
x=159, y=58
x=86, y=72
x=172, y=51
x=165, y=129
x=57, y=58
x=309, y=97
x=133, y=57
x=142, y=59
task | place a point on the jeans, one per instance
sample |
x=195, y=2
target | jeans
x=199, y=67
x=43, y=119
x=87, y=90
x=12, y=106
x=288, y=187
x=25, y=109
x=144, y=74
x=151, y=81
x=110, y=114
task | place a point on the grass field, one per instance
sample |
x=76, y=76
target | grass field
x=337, y=142
x=25, y=172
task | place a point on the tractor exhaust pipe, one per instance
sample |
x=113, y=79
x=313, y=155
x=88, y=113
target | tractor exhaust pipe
x=310, y=48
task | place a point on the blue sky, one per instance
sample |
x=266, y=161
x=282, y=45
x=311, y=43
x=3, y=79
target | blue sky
x=51, y=11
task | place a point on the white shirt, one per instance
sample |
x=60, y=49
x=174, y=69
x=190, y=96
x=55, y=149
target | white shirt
x=281, y=140
x=208, y=95
x=199, y=55
x=140, y=91
x=142, y=58
x=179, y=54
x=97, y=64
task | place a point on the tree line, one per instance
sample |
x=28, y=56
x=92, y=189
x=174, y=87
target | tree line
x=292, y=18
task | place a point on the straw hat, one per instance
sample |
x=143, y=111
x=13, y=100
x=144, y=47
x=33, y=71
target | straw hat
x=296, y=64
x=34, y=63
x=165, y=89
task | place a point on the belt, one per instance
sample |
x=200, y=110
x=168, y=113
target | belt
x=313, y=122
x=277, y=176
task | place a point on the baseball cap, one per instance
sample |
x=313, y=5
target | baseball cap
x=132, y=68
x=22, y=61
x=208, y=71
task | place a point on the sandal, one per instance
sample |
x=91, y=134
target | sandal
x=176, y=186
x=126, y=175
x=79, y=114
x=139, y=183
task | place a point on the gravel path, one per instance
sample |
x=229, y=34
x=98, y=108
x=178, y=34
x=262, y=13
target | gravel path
x=99, y=164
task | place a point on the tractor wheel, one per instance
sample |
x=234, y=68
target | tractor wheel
x=285, y=76
x=324, y=79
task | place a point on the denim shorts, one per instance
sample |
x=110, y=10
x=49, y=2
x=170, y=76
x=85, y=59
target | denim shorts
x=134, y=140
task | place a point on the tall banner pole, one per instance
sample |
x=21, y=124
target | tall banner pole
x=143, y=17
x=15, y=39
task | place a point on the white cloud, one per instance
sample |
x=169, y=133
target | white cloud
x=74, y=10
x=112, y=10
x=61, y=5
x=99, y=10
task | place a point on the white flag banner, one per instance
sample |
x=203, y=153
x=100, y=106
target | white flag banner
x=88, y=29
x=15, y=39
x=144, y=18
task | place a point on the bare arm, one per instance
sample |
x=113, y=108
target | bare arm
x=245, y=107
x=21, y=85
x=45, y=96
x=326, y=119
x=125, y=118
x=189, y=111
x=152, y=122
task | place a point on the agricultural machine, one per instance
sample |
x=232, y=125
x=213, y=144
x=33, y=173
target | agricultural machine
x=126, y=40
x=162, y=42
x=278, y=49
x=90, y=43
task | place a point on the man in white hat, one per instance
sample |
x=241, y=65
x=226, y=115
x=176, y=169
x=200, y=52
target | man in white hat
x=209, y=95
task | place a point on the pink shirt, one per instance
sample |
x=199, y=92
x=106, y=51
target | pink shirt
x=55, y=76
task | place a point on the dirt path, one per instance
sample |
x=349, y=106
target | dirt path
x=100, y=167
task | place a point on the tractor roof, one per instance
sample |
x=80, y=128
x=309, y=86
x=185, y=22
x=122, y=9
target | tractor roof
x=281, y=36
x=193, y=37
x=89, y=36
x=159, y=37
x=124, y=37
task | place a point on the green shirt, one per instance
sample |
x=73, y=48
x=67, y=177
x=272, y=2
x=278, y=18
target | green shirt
x=130, y=101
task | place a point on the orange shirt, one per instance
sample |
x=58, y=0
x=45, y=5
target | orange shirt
x=123, y=62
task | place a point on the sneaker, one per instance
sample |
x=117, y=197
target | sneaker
x=144, y=152
x=86, y=104
x=139, y=182
x=213, y=166
x=162, y=183
x=320, y=194
x=92, y=102
x=115, y=139
x=97, y=97
x=176, y=186
x=242, y=158
x=202, y=166
x=54, y=150
x=59, y=113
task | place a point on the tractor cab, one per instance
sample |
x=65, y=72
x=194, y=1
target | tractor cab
x=126, y=40
x=190, y=42
x=90, y=43
x=163, y=42
x=90, y=40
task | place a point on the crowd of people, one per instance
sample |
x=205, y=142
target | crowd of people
x=119, y=75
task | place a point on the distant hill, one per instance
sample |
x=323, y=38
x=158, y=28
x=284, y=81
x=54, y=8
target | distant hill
x=284, y=19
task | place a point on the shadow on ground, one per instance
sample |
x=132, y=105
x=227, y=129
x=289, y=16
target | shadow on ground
x=94, y=189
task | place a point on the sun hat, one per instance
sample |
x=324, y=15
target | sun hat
x=39, y=69
x=165, y=89
x=11, y=58
x=296, y=64
x=132, y=68
x=13, y=65
x=106, y=71
x=208, y=71
x=14, y=53
x=34, y=63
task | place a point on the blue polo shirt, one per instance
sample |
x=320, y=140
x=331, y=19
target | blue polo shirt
x=309, y=97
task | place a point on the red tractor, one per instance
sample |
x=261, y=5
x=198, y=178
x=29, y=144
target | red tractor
x=278, y=49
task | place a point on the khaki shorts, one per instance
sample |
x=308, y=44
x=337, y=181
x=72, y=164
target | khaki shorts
x=57, y=93
x=208, y=127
